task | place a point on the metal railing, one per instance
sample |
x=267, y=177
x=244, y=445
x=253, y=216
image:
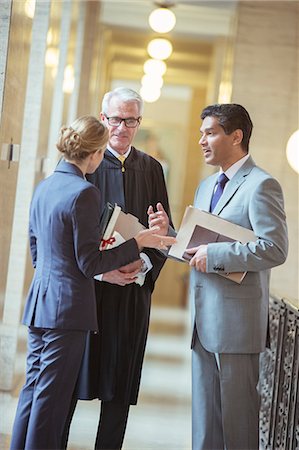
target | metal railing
x=279, y=416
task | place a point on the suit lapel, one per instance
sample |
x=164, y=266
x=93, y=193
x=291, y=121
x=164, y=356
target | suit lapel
x=205, y=199
x=234, y=184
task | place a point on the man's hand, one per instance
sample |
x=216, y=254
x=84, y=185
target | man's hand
x=123, y=276
x=159, y=218
x=199, y=259
x=132, y=267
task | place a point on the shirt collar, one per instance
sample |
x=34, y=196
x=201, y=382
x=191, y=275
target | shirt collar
x=116, y=154
x=232, y=170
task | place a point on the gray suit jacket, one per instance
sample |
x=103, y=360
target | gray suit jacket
x=232, y=318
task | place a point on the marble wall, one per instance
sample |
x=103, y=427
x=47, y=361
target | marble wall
x=265, y=80
x=264, y=75
x=14, y=26
x=37, y=47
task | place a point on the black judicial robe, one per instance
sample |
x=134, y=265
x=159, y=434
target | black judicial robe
x=112, y=363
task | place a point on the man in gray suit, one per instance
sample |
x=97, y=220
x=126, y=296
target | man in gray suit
x=230, y=319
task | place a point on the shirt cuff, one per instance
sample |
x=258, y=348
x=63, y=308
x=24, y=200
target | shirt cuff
x=98, y=277
x=146, y=263
x=146, y=267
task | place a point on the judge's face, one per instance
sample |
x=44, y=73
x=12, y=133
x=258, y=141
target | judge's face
x=121, y=136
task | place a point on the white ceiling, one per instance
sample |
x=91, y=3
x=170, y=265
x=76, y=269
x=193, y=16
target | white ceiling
x=208, y=20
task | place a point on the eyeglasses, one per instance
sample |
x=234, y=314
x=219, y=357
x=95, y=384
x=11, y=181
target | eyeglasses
x=130, y=122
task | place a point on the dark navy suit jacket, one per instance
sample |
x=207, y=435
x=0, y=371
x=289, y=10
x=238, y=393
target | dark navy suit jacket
x=64, y=240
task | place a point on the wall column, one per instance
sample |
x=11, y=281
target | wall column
x=58, y=95
x=5, y=17
x=25, y=185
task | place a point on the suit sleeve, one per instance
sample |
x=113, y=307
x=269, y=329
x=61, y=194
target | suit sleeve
x=267, y=219
x=159, y=195
x=86, y=233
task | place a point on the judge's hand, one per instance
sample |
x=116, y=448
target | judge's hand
x=132, y=267
x=159, y=218
x=199, y=259
x=153, y=239
x=119, y=277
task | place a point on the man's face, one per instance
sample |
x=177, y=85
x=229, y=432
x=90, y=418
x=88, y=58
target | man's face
x=121, y=137
x=219, y=149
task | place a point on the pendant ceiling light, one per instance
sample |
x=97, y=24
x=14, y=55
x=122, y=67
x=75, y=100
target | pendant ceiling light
x=69, y=79
x=162, y=20
x=152, y=81
x=150, y=94
x=29, y=6
x=159, y=48
x=155, y=66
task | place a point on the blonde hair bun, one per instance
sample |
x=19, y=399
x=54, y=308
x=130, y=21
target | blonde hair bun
x=86, y=135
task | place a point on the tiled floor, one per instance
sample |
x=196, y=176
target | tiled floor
x=162, y=418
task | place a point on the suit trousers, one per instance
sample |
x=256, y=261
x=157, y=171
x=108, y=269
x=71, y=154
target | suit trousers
x=225, y=400
x=111, y=427
x=53, y=363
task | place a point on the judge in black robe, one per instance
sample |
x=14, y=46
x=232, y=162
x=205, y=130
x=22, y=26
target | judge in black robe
x=112, y=364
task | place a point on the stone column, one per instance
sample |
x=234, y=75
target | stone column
x=58, y=95
x=88, y=100
x=78, y=69
x=5, y=17
x=25, y=185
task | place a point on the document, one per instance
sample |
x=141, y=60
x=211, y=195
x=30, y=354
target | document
x=105, y=218
x=117, y=226
x=200, y=227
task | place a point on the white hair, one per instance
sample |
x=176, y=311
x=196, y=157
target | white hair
x=127, y=95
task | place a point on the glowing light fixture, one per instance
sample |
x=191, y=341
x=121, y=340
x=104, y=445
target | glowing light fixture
x=29, y=8
x=69, y=79
x=293, y=151
x=154, y=81
x=225, y=92
x=150, y=94
x=162, y=20
x=52, y=57
x=159, y=48
x=154, y=66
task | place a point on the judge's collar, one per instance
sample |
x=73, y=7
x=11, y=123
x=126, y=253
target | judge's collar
x=116, y=154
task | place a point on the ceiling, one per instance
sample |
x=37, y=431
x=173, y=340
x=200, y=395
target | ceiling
x=208, y=20
x=199, y=25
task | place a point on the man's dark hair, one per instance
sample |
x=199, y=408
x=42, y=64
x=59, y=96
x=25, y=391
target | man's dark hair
x=231, y=117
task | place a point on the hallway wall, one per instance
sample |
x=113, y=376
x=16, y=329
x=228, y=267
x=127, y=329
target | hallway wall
x=264, y=78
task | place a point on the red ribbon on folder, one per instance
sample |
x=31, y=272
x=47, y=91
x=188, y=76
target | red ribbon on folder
x=106, y=242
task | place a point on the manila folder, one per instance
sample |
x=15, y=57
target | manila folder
x=200, y=227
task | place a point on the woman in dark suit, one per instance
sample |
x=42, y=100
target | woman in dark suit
x=64, y=241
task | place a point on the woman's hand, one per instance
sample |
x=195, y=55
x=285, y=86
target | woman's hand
x=151, y=238
x=158, y=218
